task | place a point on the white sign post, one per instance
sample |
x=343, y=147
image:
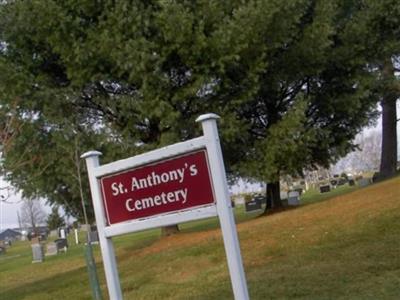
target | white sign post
x=224, y=205
x=111, y=223
x=106, y=245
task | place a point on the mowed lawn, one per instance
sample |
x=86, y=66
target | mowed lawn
x=346, y=247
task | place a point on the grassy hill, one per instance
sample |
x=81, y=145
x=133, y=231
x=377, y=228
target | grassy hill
x=346, y=247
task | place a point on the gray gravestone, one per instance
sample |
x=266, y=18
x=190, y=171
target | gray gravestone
x=94, y=237
x=294, y=198
x=363, y=182
x=37, y=253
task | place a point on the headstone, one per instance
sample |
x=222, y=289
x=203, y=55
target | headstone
x=284, y=195
x=253, y=204
x=352, y=182
x=325, y=188
x=261, y=198
x=51, y=249
x=37, y=253
x=342, y=181
x=239, y=200
x=363, y=182
x=294, y=198
x=62, y=233
x=94, y=237
x=54, y=233
x=62, y=244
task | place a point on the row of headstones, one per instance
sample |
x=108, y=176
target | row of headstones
x=335, y=183
x=293, y=199
x=53, y=248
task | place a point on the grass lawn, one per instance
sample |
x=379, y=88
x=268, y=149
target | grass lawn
x=340, y=245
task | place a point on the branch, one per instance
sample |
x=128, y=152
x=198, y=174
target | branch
x=5, y=197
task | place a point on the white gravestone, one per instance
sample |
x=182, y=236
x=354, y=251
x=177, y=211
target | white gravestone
x=51, y=249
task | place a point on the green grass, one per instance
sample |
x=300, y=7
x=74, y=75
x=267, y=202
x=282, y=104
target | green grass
x=344, y=245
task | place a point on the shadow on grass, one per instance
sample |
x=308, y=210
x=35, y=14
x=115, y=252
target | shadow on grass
x=67, y=285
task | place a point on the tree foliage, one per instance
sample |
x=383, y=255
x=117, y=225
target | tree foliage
x=288, y=78
x=383, y=51
x=54, y=220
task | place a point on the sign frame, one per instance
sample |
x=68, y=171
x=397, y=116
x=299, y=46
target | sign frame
x=220, y=208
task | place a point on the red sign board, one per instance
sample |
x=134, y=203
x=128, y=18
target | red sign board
x=166, y=186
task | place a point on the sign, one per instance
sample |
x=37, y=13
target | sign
x=162, y=187
x=172, y=185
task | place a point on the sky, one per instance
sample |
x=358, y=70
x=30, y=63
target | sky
x=9, y=209
x=8, y=212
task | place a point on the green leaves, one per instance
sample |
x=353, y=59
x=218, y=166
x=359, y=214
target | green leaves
x=289, y=80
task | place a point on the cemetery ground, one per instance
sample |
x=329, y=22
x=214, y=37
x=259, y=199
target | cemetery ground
x=340, y=245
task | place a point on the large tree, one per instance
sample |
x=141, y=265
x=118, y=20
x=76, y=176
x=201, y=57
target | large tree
x=288, y=79
x=383, y=18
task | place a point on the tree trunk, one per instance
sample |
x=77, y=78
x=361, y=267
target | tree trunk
x=169, y=230
x=273, y=195
x=389, y=120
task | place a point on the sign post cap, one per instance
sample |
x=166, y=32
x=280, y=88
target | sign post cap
x=209, y=116
x=91, y=153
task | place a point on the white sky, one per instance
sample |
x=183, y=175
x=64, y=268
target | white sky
x=9, y=209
